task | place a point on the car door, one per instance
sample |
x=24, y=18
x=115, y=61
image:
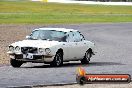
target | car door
x=71, y=47
x=81, y=46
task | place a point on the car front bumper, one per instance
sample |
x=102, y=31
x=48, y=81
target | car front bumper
x=32, y=57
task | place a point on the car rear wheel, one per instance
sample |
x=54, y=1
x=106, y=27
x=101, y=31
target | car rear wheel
x=87, y=57
x=58, y=60
x=15, y=63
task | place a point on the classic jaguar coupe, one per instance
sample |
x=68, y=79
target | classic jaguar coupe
x=51, y=46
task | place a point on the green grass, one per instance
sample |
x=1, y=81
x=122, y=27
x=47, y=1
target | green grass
x=51, y=13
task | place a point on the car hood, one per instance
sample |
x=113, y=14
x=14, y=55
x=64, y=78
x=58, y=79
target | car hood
x=36, y=43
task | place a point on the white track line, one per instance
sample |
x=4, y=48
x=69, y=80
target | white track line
x=92, y=2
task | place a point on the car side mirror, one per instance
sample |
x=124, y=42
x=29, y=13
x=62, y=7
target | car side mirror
x=28, y=37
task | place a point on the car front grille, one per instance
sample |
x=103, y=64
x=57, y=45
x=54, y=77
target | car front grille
x=26, y=50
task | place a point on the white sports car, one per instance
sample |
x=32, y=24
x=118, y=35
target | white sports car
x=51, y=46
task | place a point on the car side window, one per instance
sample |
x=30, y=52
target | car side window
x=78, y=37
x=75, y=37
x=70, y=37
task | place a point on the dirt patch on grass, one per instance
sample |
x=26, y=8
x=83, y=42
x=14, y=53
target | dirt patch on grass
x=10, y=34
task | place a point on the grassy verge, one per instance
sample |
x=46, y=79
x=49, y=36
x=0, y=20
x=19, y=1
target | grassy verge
x=51, y=13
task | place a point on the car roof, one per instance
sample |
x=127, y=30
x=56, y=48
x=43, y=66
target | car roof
x=57, y=29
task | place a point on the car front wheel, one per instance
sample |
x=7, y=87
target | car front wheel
x=87, y=57
x=15, y=63
x=58, y=60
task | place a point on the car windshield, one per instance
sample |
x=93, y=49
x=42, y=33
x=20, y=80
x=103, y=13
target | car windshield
x=48, y=35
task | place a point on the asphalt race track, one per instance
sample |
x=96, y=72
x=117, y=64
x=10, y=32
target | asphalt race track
x=114, y=47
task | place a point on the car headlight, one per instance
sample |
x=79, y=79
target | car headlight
x=17, y=48
x=41, y=50
x=11, y=48
x=47, y=51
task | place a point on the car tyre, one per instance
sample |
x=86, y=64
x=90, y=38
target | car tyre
x=15, y=63
x=87, y=57
x=58, y=60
